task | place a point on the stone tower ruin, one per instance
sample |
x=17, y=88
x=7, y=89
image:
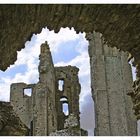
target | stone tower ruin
x=42, y=111
x=111, y=80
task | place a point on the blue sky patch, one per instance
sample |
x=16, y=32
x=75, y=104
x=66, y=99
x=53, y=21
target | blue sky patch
x=66, y=52
x=13, y=71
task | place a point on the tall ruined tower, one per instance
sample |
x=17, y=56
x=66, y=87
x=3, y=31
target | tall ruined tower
x=111, y=79
x=45, y=120
x=68, y=94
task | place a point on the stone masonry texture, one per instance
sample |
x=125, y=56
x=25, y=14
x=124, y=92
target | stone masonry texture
x=111, y=81
x=71, y=128
x=10, y=123
x=119, y=25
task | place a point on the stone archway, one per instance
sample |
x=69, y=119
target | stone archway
x=119, y=25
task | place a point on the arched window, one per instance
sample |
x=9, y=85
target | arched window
x=65, y=105
x=65, y=108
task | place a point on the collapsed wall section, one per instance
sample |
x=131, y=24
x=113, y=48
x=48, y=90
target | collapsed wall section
x=71, y=128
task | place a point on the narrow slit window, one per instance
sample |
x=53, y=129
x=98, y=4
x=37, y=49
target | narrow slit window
x=27, y=92
x=31, y=129
x=61, y=85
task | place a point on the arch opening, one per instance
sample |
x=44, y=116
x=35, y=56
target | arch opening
x=67, y=48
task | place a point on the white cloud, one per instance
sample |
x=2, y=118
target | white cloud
x=29, y=57
x=4, y=92
x=87, y=115
x=54, y=40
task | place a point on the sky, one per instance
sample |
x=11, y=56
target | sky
x=67, y=48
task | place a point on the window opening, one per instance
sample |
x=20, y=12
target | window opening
x=65, y=108
x=27, y=92
x=61, y=85
x=31, y=129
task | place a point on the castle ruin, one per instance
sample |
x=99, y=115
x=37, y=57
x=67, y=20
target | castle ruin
x=42, y=111
x=120, y=28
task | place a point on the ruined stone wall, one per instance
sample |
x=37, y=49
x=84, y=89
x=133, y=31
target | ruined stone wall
x=71, y=90
x=111, y=80
x=71, y=128
x=40, y=120
x=22, y=104
x=42, y=111
x=45, y=120
x=10, y=122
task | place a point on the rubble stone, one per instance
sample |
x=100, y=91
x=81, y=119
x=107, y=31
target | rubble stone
x=10, y=123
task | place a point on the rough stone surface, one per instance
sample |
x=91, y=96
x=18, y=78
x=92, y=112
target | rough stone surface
x=10, y=123
x=135, y=95
x=45, y=117
x=42, y=112
x=71, y=128
x=119, y=24
x=22, y=104
x=71, y=90
x=74, y=131
x=71, y=121
x=112, y=79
